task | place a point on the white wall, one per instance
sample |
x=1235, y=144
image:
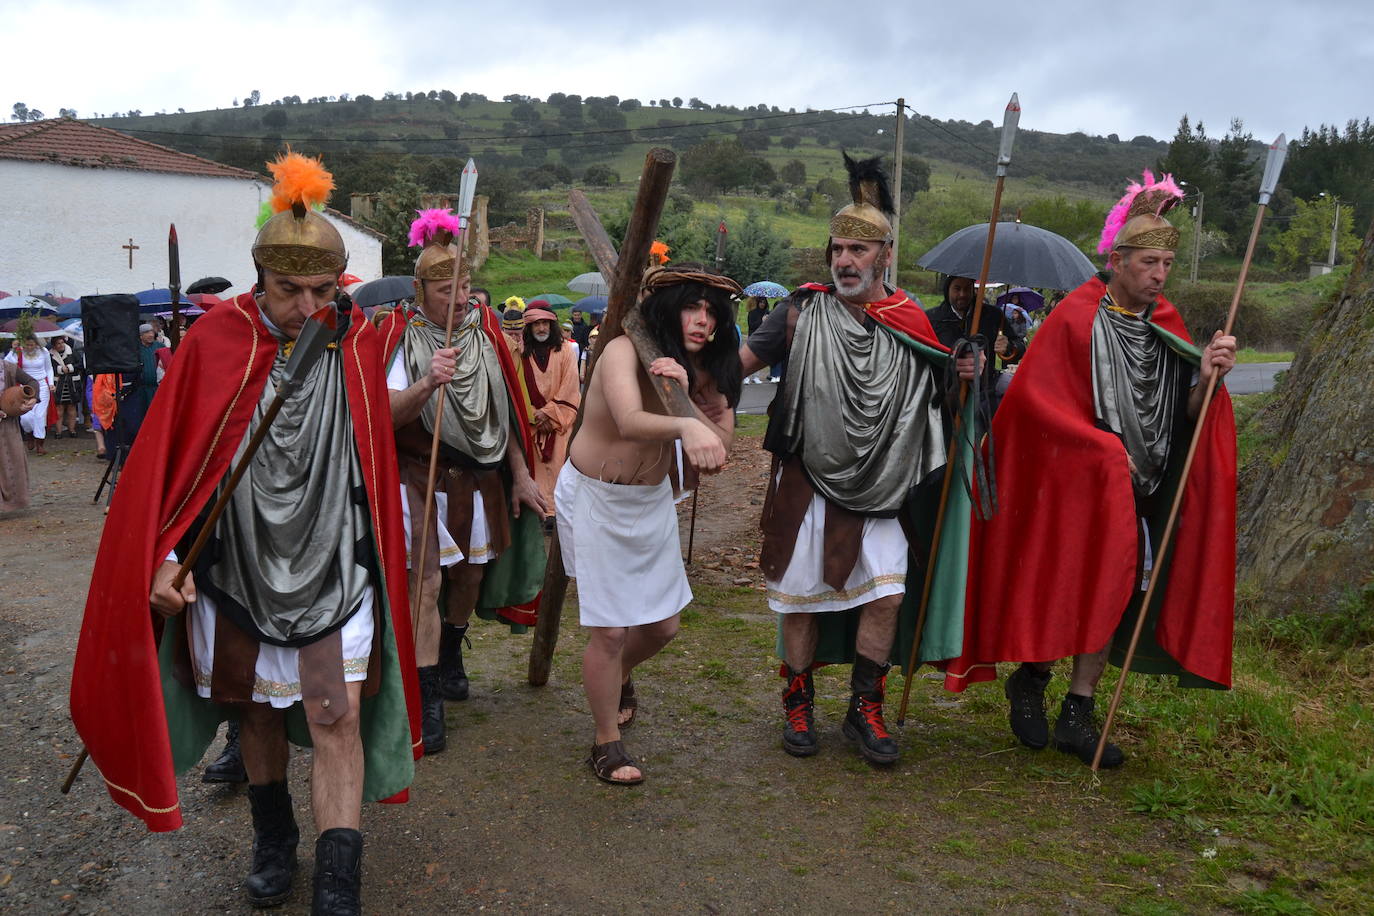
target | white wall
x=67, y=223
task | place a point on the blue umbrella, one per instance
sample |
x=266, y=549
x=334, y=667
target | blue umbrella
x=69, y=309
x=14, y=306
x=152, y=301
x=593, y=305
x=767, y=289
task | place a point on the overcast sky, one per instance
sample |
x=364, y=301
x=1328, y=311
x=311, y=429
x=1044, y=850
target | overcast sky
x=1100, y=68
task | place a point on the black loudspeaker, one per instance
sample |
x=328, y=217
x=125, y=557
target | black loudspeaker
x=110, y=326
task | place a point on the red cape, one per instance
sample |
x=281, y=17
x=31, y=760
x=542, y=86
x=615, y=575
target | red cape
x=184, y=448
x=899, y=311
x=1051, y=573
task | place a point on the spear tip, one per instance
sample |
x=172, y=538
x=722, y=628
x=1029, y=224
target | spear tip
x=172, y=233
x=1014, y=104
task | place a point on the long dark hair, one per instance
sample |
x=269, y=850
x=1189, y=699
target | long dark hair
x=719, y=359
x=555, y=341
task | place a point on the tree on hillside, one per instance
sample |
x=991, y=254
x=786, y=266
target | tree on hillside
x=793, y=173
x=392, y=217
x=1235, y=183
x=677, y=101
x=1308, y=236
x=915, y=177
x=252, y=99
x=1305, y=541
x=1190, y=156
x=600, y=176
x=1079, y=221
x=724, y=165
x=755, y=251
x=21, y=111
x=1336, y=162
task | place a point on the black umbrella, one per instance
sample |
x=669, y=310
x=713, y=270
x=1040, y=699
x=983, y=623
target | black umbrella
x=209, y=285
x=387, y=289
x=1021, y=254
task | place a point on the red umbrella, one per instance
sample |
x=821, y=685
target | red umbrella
x=204, y=300
x=42, y=327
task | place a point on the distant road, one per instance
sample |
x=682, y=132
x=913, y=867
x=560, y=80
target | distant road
x=1246, y=378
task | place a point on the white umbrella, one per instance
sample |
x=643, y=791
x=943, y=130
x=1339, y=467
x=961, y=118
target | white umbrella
x=593, y=284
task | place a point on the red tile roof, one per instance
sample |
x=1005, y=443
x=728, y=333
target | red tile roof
x=65, y=141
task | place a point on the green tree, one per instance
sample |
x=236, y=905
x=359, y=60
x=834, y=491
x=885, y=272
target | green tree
x=755, y=251
x=600, y=176
x=1078, y=221
x=1236, y=183
x=1190, y=156
x=1308, y=236
x=392, y=217
x=724, y=165
x=915, y=177
x=793, y=173
x=275, y=118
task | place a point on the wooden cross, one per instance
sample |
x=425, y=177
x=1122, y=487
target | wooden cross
x=131, y=248
x=624, y=270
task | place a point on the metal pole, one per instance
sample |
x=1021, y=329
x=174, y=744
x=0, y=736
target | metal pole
x=1335, y=223
x=897, y=194
x=1197, y=237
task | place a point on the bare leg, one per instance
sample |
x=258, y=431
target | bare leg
x=641, y=644
x=262, y=737
x=99, y=440
x=1087, y=671
x=464, y=587
x=336, y=773
x=602, y=663
x=877, y=628
x=427, y=618
x=799, y=635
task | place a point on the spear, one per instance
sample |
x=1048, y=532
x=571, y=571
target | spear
x=174, y=283
x=1011, y=118
x=1273, y=166
x=467, y=189
x=318, y=330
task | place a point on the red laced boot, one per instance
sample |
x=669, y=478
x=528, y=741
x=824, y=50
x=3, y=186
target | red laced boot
x=798, y=705
x=864, y=721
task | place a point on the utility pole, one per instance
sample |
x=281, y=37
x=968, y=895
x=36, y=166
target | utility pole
x=897, y=193
x=1197, y=236
x=1335, y=224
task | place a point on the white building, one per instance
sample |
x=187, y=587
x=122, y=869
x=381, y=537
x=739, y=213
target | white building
x=90, y=207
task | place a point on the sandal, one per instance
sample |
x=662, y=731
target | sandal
x=609, y=757
x=628, y=701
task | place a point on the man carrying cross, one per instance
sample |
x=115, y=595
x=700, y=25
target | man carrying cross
x=855, y=430
x=483, y=465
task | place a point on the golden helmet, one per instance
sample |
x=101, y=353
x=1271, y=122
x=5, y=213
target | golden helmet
x=297, y=241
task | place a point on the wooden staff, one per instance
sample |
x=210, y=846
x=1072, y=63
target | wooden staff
x=1010, y=119
x=467, y=189
x=1272, y=168
x=319, y=329
x=624, y=271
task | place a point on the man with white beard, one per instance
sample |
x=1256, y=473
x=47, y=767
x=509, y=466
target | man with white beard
x=855, y=430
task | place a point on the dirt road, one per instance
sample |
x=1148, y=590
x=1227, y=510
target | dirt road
x=510, y=818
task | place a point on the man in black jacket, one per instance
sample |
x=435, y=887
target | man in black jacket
x=951, y=320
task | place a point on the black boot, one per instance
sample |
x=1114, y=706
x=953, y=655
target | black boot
x=338, y=873
x=228, y=766
x=274, y=844
x=452, y=676
x=432, y=727
x=1026, y=691
x=864, y=721
x=799, y=705
x=1076, y=733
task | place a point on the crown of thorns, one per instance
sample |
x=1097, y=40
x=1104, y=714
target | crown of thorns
x=657, y=278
